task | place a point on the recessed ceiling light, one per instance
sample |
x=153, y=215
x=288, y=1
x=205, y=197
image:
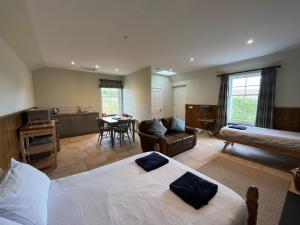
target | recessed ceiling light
x=97, y=66
x=192, y=59
x=72, y=62
x=117, y=69
x=250, y=41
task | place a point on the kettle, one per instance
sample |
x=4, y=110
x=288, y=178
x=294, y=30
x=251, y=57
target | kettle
x=55, y=110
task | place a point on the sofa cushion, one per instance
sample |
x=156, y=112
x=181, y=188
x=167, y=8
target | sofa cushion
x=171, y=139
x=177, y=124
x=157, y=128
x=183, y=135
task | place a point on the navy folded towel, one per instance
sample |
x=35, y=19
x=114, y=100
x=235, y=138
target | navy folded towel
x=239, y=127
x=194, y=190
x=151, y=161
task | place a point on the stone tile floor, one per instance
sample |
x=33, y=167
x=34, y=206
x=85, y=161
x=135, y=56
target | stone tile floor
x=83, y=153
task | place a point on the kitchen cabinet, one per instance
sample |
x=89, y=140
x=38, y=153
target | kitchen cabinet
x=75, y=124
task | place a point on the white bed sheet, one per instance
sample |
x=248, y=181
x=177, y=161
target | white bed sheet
x=123, y=193
x=270, y=137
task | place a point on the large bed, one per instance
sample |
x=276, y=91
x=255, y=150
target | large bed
x=123, y=193
x=285, y=142
x=119, y=193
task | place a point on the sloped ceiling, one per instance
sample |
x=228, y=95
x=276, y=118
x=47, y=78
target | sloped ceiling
x=16, y=29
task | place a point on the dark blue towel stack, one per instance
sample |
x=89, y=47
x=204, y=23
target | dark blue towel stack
x=238, y=127
x=151, y=161
x=194, y=190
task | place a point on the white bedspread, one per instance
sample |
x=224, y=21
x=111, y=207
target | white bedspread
x=123, y=193
x=270, y=137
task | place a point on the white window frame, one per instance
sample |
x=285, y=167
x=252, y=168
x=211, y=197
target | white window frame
x=120, y=101
x=231, y=78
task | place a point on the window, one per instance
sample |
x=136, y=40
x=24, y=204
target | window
x=243, y=97
x=111, y=100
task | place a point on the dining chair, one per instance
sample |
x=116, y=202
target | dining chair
x=122, y=128
x=104, y=130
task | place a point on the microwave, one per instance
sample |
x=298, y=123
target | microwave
x=37, y=115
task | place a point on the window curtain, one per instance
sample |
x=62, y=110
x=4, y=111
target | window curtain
x=110, y=84
x=222, y=104
x=266, y=99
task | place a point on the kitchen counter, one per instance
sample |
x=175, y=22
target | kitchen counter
x=75, y=113
x=75, y=124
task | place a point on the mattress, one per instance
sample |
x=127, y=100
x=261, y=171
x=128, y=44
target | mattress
x=274, y=138
x=123, y=193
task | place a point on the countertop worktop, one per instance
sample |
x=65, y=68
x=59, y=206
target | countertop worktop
x=75, y=113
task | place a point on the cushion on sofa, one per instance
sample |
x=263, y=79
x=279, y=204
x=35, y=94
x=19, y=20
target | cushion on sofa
x=157, y=128
x=177, y=124
x=183, y=135
x=171, y=139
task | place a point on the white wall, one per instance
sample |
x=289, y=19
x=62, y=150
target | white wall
x=16, y=88
x=137, y=94
x=60, y=88
x=203, y=85
x=165, y=83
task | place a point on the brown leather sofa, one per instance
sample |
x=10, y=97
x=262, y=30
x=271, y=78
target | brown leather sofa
x=171, y=143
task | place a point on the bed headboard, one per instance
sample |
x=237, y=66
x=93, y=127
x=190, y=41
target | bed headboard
x=9, y=141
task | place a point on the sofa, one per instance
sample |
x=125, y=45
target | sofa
x=172, y=143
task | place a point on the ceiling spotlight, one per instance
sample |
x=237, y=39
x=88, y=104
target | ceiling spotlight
x=117, y=69
x=97, y=66
x=72, y=62
x=250, y=41
x=192, y=59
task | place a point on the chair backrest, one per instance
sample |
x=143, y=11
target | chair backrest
x=100, y=123
x=124, y=123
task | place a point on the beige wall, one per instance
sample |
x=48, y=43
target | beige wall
x=203, y=85
x=60, y=87
x=16, y=89
x=137, y=94
x=165, y=83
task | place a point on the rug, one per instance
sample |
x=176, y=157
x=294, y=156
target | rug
x=238, y=177
x=272, y=159
x=291, y=210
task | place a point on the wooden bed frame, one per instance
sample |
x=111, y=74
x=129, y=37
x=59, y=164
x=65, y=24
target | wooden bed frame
x=232, y=141
x=251, y=199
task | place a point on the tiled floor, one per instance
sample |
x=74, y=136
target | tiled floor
x=83, y=153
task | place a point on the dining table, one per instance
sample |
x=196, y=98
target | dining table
x=113, y=120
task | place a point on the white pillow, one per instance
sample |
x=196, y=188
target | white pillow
x=24, y=195
x=4, y=221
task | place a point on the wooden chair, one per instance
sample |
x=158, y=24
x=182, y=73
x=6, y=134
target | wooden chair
x=122, y=128
x=104, y=130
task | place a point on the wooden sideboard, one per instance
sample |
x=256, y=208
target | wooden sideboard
x=193, y=116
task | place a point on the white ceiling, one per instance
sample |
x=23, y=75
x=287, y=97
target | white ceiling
x=161, y=33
